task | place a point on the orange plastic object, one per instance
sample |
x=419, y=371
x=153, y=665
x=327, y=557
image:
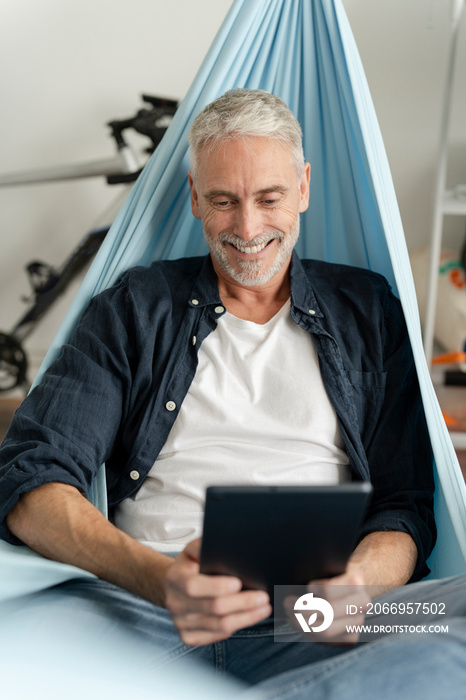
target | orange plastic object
x=448, y=358
x=449, y=420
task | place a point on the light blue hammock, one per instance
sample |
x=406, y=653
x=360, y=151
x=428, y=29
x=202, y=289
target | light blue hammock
x=303, y=51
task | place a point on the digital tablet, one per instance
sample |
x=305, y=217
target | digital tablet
x=281, y=535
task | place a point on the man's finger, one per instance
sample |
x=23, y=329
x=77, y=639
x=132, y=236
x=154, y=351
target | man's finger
x=226, y=605
x=205, y=586
x=206, y=629
x=193, y=549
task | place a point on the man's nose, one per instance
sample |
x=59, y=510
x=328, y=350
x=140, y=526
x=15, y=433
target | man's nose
x=248, y=222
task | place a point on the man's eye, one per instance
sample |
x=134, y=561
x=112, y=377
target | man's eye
x=222, y=204
x=269, y=202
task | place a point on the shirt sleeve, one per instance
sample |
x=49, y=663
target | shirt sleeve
x=399, y=452
x=67, y=426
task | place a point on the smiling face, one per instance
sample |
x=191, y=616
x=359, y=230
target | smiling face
x=249, y=195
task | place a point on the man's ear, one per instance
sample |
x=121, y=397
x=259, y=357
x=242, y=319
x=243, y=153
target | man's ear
x=194, y=198
x=304, y=187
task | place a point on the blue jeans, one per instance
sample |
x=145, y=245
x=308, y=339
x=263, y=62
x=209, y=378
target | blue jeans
x=90, y=629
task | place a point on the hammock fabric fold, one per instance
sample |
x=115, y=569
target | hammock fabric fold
x=303, y=51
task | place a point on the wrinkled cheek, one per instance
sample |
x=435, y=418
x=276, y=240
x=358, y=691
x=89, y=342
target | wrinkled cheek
x=215, y=222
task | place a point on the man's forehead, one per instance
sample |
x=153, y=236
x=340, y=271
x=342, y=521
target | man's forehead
x=242, y=141
x=265, y=163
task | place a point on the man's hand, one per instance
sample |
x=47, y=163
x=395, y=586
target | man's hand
x=341, y=592
x=207, y=609
x=382, y=561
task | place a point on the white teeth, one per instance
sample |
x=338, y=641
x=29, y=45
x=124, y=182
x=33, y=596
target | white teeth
x=251, y=249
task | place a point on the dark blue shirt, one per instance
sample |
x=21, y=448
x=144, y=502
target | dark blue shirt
x=115, y=391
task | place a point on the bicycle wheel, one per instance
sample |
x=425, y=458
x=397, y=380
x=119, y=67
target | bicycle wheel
x=13, y=363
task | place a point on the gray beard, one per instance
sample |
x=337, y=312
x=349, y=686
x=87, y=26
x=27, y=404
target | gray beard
x=250, y=273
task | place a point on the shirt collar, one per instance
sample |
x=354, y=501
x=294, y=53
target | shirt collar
x=302, y=293
x=205, y=291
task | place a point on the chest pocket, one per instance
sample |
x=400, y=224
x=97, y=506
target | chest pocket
x=368, y=395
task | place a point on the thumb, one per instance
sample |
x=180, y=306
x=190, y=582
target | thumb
x=193, y=549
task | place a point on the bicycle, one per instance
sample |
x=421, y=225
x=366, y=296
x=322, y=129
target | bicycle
x=48, y=282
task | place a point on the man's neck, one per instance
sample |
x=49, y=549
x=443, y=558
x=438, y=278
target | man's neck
x=259, y=303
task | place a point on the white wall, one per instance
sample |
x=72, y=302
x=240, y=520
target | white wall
x=69, y=66
x=404, y=49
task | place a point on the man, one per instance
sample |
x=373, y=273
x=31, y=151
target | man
x=247, y=366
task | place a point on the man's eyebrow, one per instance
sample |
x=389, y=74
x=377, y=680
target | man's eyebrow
x=283, y=189
x=219, y=193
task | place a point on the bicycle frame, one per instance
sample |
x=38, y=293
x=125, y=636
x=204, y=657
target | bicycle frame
x=125, y=161
x=47, y=282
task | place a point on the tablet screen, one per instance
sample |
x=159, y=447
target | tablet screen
x=281, y=535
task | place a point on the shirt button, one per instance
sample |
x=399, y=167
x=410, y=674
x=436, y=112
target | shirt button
x=134, y=475
x=194, y=302
x=219, y=309
x=312, y=312
x=194, y=341
x=170, y=405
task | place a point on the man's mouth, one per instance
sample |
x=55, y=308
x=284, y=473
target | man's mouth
x=249, y=249
x=252, y=247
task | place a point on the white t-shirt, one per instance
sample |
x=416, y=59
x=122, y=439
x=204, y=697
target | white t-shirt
x=256, y=413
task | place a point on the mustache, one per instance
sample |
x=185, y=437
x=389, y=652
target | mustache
x=260, y=240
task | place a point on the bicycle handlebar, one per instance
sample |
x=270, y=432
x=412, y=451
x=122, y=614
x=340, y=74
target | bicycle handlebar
x=123, y=167
x=164, y=103
x=149, y=122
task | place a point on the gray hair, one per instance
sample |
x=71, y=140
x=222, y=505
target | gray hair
x=242, y=113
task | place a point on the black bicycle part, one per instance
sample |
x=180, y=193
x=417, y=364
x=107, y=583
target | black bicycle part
x=47, y=282
x=57, y=281
x=124, y=179
x=42, y=276
x=163, y=103
x=148, y=122
x=13, y=363
x=47, y=285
